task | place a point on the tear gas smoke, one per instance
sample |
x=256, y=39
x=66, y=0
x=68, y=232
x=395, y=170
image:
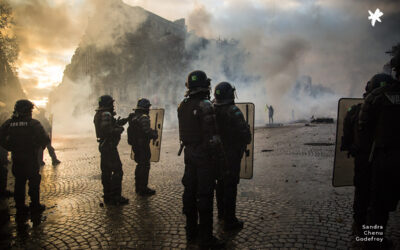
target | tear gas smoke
x=269, y=45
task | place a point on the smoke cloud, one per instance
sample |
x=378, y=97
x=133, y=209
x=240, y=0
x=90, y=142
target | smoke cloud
x=331, y=41
x=271, y=44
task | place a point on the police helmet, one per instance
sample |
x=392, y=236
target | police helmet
x=198, y=79
x=224, y=93
x=378, y=80
x=143, y=103
x=23, y=107
x=106, y=101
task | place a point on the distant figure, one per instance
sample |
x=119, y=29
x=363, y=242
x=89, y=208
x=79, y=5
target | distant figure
x=292, y=114
x=48, y=128
x=270, y=113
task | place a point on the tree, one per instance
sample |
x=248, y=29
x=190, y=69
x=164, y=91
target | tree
x=8, y=42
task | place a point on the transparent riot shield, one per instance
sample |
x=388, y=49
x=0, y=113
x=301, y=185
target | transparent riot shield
x=343, y=169
x=246, y=166
x=156, y=122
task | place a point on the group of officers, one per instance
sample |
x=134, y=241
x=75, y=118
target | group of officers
x=214, y=135
x=371, y=134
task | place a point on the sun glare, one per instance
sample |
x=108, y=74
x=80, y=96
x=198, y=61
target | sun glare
x=41, y=103
x=45, y=75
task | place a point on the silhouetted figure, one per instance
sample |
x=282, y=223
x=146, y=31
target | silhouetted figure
x=139, y=136
x=108, y=133
x=47, y=127
x=379, y=122
x=24, y=136
x=198, y=134
x=235, y=135
x=270, y=113
x=361, y=153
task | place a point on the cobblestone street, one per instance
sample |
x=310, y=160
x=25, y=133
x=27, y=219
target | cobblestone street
x=289, y=203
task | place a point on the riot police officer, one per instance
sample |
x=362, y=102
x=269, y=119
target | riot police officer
x=108, y=133
x=139, y=136
x=23, y=136
x=361, y=153
x=379, y=122
x=198, y=134
x=235, y=135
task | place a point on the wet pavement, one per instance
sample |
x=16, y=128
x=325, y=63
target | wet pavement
x=289, y=203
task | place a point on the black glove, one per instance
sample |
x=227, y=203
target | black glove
x=122, y=121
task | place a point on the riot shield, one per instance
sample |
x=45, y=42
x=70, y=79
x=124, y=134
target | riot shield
x=343, y=169
x=156, y=122
x=246, y=166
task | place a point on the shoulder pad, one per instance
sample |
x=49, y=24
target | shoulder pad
x=235, y=111
x=144, y=117
x=204, y=104
x=34, y=122
x=106, y=114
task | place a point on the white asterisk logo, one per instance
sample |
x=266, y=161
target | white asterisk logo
x=375, y=16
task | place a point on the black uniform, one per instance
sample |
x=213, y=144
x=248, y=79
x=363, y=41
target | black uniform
x=362, y=170
x=380, y=121
x=3, y=172
x=23, y=136
x=198, y=133
x=139, y=136
x=108, y=134
x=235, y=135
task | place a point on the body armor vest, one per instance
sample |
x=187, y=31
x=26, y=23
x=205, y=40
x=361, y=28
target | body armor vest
x=189, y=121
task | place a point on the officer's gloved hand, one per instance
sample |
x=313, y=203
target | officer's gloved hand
x=122, y=121
x=155, y=134
x=353, y=150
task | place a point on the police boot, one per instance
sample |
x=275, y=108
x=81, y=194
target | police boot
x=211, y=243
x=207, y=240
x=37, y=208
x=55, y=162
x=147, y=191
x=143, y=179
x=234, y=224
x=120, y=201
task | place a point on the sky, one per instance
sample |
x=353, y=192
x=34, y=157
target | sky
x=331, y=40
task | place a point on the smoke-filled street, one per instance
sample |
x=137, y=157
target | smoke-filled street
x=289, y=203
